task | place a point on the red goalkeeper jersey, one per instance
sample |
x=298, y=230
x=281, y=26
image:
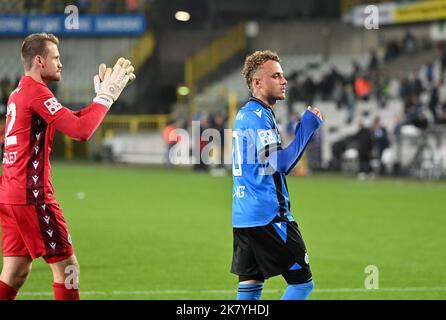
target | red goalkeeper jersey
x=33, y=116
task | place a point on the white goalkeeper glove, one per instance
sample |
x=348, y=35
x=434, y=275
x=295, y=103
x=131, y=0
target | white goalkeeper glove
x=99, y=78
x=109, y=83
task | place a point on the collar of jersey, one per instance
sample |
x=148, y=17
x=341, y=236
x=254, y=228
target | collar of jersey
x=263, y=104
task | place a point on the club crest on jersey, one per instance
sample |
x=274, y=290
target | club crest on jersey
x=267, y=137
x=52, y=105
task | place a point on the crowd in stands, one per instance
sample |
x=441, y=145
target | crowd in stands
x=373, y=82
x=58, y=7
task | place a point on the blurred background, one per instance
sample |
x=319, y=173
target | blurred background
x=368, y=191
x=381, y=88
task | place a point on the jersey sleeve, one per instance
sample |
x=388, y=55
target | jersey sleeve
x=77, y=125
x=266, y=136
x=284, y=160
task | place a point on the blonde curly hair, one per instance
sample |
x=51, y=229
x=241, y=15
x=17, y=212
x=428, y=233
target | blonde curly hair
x=254, y=62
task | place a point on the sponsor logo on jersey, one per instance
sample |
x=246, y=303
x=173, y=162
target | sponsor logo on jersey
x=50, y=233
x=53, y=245
x=47, y=219
x=35, y=179
x=52, y=105
x=267, y=137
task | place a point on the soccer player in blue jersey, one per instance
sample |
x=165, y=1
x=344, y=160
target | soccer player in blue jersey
x=267, y=241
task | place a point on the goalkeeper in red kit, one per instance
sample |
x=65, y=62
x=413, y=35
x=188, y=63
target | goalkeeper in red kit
x=32, y=221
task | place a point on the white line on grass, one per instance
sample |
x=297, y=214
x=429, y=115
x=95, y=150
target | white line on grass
x=179, y=292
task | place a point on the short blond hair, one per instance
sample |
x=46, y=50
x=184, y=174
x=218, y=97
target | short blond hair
x=36, y=45
x=254, y=62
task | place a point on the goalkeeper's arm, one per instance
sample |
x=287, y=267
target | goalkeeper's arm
x=109, y=84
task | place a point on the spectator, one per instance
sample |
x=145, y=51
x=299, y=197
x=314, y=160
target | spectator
x=350, y=102
x=409, y=43
x=363, y=87
x=429, y=72
x=337, y=150
x=373, y=64
x=308, y=90
x=364, y=142
x=442, y=114
x=132, y=6
x=415, y=114
x=380, y=142
x=293, y=91
x=433, y=102
x=291, y=125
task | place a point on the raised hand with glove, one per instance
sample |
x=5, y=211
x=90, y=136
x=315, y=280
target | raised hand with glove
x=109, y=83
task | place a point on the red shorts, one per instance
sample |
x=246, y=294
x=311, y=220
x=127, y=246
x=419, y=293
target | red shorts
x=37, y=231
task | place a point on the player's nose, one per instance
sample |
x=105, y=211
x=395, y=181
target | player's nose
x=284, y=80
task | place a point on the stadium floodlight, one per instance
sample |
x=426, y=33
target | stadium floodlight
x=182, y=16
x=183, y=91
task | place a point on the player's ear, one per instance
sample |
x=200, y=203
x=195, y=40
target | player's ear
x=256, y=83
x=38, y=61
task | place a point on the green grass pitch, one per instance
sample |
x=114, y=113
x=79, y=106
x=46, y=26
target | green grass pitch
x=156, y=233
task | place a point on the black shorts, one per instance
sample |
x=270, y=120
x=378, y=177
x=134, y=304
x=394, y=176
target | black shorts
x=271, y=250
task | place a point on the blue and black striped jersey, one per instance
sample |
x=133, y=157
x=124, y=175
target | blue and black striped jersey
x=259, y=191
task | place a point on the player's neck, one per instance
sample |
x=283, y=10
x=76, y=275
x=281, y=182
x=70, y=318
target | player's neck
x=35, y=76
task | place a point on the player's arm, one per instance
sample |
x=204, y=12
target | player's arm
x=284, y=160
x=81, y=125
